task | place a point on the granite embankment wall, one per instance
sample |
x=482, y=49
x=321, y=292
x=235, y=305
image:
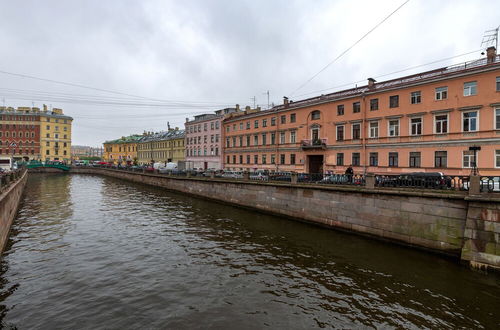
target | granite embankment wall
x=11, y=190
x=450, y=223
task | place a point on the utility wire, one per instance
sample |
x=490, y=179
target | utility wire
x=348, y=49
x=391, y=73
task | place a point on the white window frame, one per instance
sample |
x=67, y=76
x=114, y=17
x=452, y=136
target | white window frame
x=389, y=128
x=470, y=90
x=496, y=122
x=477, y=121
x=352, y=130
x=440, y=93
x=337, y=133
x=419, y=96
x=319, y=133
x=497, y=159
x=447, y=123
x=293, y=137
x=471, y=159
x=410, y=125
x=282, y=137
x=375, y=129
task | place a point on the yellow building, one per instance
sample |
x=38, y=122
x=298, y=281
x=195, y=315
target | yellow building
x=162, y=147
x=55, y=135
x=122, y=150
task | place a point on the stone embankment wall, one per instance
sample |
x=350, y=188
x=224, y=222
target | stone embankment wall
x=446, y=222
x=11, y=190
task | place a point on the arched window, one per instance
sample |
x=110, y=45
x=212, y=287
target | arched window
x=316, y=114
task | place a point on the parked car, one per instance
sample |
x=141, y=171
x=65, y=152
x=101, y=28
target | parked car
x=259, y=175
x=232, y=175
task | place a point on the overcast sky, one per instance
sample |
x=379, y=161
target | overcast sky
x=209, y=54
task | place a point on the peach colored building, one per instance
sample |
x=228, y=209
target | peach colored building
x=420, y=123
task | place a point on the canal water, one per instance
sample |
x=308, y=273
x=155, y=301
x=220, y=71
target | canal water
x=88, y=252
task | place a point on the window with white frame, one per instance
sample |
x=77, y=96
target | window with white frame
x=340, y=133
x=394, y=127
x=498, y=84
x=292, y=137
x=497, y=158
x=468, y=159
x=416, y=126
x=374, y=129
x=441, y=93
x=441, y=124
x=469, y=121
x=282, y=137
x=470, y=88
x=497, y=118
x=415, y=97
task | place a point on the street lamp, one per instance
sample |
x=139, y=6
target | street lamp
x=474, y=170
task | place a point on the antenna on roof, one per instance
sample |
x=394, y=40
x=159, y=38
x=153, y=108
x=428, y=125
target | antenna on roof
x=490, y=38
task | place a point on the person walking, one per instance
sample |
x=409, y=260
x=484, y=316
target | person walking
x=349, y=173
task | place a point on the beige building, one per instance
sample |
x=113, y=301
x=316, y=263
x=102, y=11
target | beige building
x=162, y=147
x=55, y=135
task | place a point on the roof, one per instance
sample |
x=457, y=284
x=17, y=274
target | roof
x=163, y=135
x=419, y=78
x=125, y=139
x=16, y=112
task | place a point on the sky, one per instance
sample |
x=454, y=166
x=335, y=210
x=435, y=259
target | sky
x=148, y=62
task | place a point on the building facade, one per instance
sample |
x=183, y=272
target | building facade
x=78, y=152
x=162, y=147
x=423, y=122
x=204, y=140
x=33, y=134
x=122, y=151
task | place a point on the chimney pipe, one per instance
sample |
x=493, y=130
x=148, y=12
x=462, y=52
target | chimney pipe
x=491, y=54
x=371, y=82
x=237, y=107
x=285, y=101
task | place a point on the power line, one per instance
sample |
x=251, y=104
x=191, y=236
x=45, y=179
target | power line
x=391, y=73
x=348, y=49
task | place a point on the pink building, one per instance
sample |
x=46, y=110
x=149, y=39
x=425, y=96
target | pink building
x=204, y=140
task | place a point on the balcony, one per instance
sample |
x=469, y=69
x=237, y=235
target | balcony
x=313, y=144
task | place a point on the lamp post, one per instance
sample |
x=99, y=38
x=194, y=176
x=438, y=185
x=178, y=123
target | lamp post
x=474, y=170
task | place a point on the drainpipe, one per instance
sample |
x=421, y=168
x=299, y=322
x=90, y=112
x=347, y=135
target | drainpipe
x=363, y=132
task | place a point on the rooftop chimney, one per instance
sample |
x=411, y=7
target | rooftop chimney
x=285, y=101
x=371, y=82
x=491, y=54
x=237, y=107
x=187, y=120
x=45, y=107
x=168, y=125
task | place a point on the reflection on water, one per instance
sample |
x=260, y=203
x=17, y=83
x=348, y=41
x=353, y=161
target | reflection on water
x=98, y=253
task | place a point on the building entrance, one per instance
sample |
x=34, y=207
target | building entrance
x=315, y=163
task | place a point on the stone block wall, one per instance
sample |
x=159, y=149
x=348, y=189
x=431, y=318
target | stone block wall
x=10, y=198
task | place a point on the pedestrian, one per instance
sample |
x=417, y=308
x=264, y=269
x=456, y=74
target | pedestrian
x=349, y=173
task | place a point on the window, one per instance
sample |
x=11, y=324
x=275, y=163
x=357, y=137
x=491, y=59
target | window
x=248, y=140
x=283, y=119
x=241, y=141
x=340, y=159
x=273, y=121
x=227, y=143
x=264, y=139
x=273, y=159
x=256, y=124
x=234, y=159
x=248, y=159
x=468, y=159
x=292, y=137
x=241, y=126
x=315, y=115
x=293, y=117
x=497, y=158
x=248, y=125
x=205, y=126
x=255, y=140
x=470, y=88
x=241, y=159
x=441, y=93
x=340, y=133
x=216, y=125
x=227, y=129
x=356, y=107
x=416, y=97
x=356, y=131
x=255, y=159
x=394, y=127
x=415, y=159
x=340, y=110
x=234, y=127
x=264, y=122
x=282, y=159
x=315, y=134
x=273, y=138
x=212, y=125
x=264, y=159
x=416, y=126
x=373, y=104
x=292, y=159
x=497, y=118
x=469, y=121
x=394, y=101
x=355, y=159
x=441, y=124
x=498, y=84
x=393, y=159
x=440, y=159
x=282, y=137
x=48, y=127
x=373, y=158
x=374, y=129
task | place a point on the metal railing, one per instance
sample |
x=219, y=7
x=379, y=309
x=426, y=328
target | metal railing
x=490, y=184
x=422, y=181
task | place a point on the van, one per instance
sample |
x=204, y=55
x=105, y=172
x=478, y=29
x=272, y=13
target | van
x=6, y=163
